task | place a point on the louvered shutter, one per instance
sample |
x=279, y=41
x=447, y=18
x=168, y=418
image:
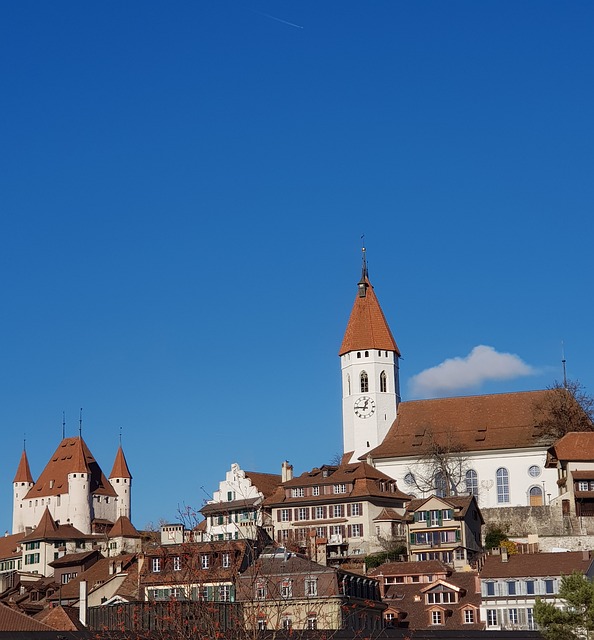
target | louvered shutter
x=348, y=510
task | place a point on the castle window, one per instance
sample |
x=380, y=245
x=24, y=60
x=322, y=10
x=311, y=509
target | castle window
x=358, y=354
x=348, y=380
x=367, y=354
x=364, y=382
x=502, y=476
x=383, y=382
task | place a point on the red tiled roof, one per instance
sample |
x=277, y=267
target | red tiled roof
x=123, y=528
x=47, y=529
x=11, y=620
x=460, y=505
x=425, y=567
x=120, y=466
x=265, y=482
x=478, y=423
x=367, y=327
x=536, y=565
x=23, y=472
x=9, y=544
x=71, y=456
x=47, y=526
x=388, y=514
x=576, y=446
x=61, y=618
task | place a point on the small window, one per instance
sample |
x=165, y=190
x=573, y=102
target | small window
x=383, y=382
x=530, y=587
x=436, y=617
x=549, y=586
x=312, y=622
x=315, y=491
x=534, y=471
x=409, y=479
x=176, y=563
x=490, y=588
x=311, y=587
x=297, y=492
x=511, y=588
x=367, y=354
x=364, y=378
x=340, y=488
x=286, y=589
x=358, y=354
x=502, y=476
x=156, y=566
x=582, y=485
x=471, y=482
x=204, y=561
x=468, y=616
x=491, y=617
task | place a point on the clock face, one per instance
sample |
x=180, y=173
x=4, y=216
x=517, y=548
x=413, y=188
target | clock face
x=364, y=407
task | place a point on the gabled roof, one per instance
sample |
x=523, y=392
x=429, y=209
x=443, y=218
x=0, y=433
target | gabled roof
x=422, y=567
x=536, y=565
x=367, y=482
x=264, y=482
x=388, y=514
x=71, y=456
x=47, y=526
x=120, y=466
x=575, y=446
x=123, y=528
x=460, y=505
x=367, y=327
x=11, y=620
x=74, y=559
x=478, y=423
x=23, y=472
x=61, y=618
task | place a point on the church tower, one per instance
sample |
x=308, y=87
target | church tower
x=369, y=363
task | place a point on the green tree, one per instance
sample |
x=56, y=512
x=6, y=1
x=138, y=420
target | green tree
x=575, y=621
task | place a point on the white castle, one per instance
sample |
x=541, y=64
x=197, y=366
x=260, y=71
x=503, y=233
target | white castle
x=74, y=490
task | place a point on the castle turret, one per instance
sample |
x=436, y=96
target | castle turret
x=79, y=494
x=120, y=479
x=23, y=481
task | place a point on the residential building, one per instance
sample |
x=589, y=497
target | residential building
x=283, y=590
x=194, y=570
x=236, y=510
x=510, y=585
x=429, y=595
x=73, y=488
x=445, y=529
x=335, y=506
x=572, y=456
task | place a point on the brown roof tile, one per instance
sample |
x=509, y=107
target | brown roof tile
x=23, y=472
x=265, y=482
x=388, y=514
x=120, y=466
x=71, y=456
x=367, y=327
x=479, y=423
x=45, y=530
x=460, y=504
x=10, y=544
x=123, y=528
x=61, y=618
x=574, y=447
x=426, y=567
x=11, y=620
x=536, y=565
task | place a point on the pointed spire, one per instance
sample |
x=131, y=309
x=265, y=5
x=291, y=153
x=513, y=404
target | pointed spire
x=120, y=466
x=23, y=473
x=123, y=528
x=367, y=327
x=79, y=460
x=47, y=525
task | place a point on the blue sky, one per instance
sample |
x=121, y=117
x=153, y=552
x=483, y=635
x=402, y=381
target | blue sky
x=183, y=189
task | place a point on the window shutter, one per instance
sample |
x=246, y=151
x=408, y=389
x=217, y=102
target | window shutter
x=232, y=593
x=307, y=513
x=209, y=594
x=278, y=515
x=348, y=509
x=290, y=514
x=325, y=512
x=342, y=530
x=457, y=535
x=296, y=513
x=416, y=517
x=412, y=538
x=361, y=530
x=360, y=508
x=349, y=534
x=440, y=520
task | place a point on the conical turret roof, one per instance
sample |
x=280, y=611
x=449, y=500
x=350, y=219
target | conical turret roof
x=123, y=528
x=47, y=525
x=23, y=472
x=120, y=466
x=367, y=327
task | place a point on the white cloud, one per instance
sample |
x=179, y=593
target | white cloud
x=483, y=363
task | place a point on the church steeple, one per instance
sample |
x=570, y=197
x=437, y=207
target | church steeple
x=369, y=362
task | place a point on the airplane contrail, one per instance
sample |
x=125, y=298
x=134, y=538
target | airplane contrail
x=267, y=15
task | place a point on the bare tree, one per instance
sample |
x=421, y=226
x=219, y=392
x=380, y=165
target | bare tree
x=441, y=468
x=564, y=408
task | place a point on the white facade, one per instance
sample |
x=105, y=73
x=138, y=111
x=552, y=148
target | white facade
x=508, y=478
x=369, y=397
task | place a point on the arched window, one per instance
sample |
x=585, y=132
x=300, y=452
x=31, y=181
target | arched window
x=364, y=382
x=383, y=382
x=502, y=476
x=536, y=496
x=348, y=381
x=440, y=485
x=472, y=482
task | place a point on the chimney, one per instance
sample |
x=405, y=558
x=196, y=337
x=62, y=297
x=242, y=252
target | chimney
x=585, y=555
x=287, y=471
x=504, y=556
x=82, y=604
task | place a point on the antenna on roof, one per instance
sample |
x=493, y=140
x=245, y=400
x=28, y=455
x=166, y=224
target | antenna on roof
x=563, y=361
x=24, y=442
x=63, y=425
x=80, y=424
x=120, y=436
x=362, y=285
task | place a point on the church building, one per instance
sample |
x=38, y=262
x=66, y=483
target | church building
x=73, y=489
x=495, y=437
